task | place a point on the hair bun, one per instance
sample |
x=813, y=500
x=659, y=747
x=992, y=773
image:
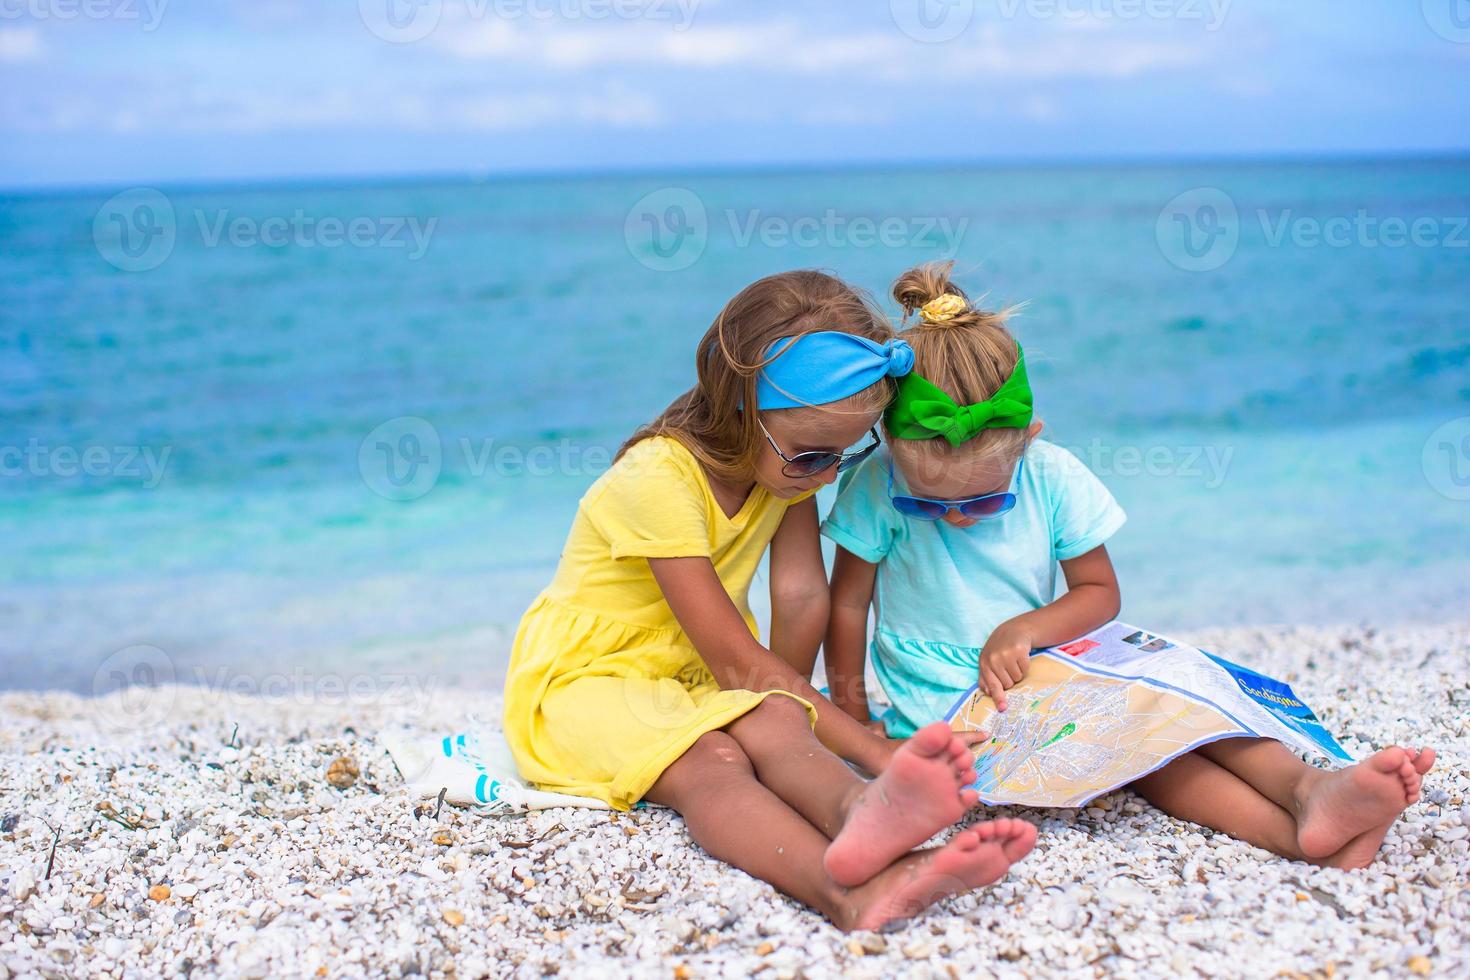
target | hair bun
x=928, y=284
x=943, y=309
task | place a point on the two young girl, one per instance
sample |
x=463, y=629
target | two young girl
x=639, y=674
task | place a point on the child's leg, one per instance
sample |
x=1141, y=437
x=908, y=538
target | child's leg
x=870, y=824
x=1332, y=808
x=1195, y=789
x=788, y=758
x=1258, y=791
x=714, y=781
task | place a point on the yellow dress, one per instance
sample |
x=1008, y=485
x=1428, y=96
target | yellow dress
x=604, y=689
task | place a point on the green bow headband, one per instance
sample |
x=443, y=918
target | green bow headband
x=923, y=411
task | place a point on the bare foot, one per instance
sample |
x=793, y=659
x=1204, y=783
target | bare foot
x=1361, y=850
x=1358, y=852
x=1350, y=806
x=919, y=793
x=1422, y=760
x=962, y=754
x=976, y=856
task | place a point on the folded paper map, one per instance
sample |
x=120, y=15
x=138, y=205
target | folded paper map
x=1114, y=705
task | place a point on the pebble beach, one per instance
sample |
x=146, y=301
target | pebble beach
x=243, y=836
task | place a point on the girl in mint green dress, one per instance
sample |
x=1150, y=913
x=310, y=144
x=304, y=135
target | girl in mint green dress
x=955, y=531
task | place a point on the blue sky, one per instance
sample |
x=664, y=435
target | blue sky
x=122, y=91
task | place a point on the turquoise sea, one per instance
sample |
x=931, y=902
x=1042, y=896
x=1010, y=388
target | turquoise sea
x=341, y=430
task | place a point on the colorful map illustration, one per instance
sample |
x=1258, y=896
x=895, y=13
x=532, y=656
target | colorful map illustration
x=1110, y=707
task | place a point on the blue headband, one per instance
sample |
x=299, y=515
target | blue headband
x=827, y=366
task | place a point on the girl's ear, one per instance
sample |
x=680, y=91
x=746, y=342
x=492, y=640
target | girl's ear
x=1034, y=429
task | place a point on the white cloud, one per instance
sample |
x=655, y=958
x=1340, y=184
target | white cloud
x=497, y=74
x=615, y=105
x=156, y=108
x=19, y=44
x=783, y=46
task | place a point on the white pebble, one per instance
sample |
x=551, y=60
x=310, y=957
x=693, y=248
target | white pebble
x=23, y=884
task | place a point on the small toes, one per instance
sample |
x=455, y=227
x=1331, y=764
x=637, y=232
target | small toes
x=931, y=740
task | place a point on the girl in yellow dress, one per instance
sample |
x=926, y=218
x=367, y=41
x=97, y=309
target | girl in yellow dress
x=639, y=674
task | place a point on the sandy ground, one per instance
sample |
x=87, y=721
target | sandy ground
x=176, y=850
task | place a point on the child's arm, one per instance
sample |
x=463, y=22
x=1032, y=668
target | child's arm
x=847, y=633
x=1092, y=599
x=704, y=610
x=799, y=596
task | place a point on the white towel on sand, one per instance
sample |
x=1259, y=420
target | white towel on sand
x=473, y=768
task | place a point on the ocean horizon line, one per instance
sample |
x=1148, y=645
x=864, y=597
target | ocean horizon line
x=773, y=169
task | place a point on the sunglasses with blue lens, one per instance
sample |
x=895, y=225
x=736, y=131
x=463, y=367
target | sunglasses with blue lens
x=985, y=507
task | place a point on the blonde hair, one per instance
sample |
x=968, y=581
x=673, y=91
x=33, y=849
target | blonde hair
x=968, y=354
x=707, y=418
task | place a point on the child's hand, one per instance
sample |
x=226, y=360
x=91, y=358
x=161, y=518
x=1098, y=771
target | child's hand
x=1004, y=661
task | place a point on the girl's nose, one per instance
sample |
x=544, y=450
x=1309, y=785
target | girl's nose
x=957, y=519
x=829, y=475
